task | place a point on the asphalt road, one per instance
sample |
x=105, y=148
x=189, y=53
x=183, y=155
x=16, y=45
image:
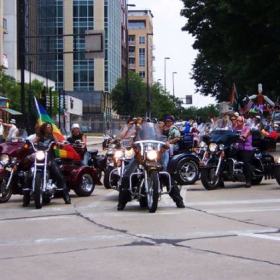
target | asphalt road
x=231, y=233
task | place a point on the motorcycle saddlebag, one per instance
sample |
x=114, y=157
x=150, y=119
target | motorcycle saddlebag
x=268, y=164
x=186, y=142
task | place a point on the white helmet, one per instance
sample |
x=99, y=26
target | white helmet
x=75, y=125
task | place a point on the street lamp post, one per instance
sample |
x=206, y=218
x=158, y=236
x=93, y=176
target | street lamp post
x=127, y=96
x=173, y=85
x=148, y=113
x=165, y=72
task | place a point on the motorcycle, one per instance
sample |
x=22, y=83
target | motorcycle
x=40, y=184
x=116, y=168
x=145, y=184
x=13, y=170
x=221, y=164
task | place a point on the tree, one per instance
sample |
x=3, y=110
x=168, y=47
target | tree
x=238, y=41
x=161, y=102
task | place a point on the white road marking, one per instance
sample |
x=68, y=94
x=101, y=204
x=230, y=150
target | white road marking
x=262, y=236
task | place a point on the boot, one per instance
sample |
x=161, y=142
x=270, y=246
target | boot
x=177, y=198
x=66, y=197
x=26, y=199
x=124, y=197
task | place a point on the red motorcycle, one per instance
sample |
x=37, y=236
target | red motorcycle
x=14, y=168
x=80, y=178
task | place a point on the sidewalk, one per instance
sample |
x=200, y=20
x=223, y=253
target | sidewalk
x=94, y=140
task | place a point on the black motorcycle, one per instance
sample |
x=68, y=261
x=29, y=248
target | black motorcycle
x=221, y=162
x=116, y=168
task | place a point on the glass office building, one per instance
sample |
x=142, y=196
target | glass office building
x=74, y=71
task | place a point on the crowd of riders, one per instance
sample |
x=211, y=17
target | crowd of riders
x=255, y=119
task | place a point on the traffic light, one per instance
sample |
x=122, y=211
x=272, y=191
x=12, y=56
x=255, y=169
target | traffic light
x=71, y=103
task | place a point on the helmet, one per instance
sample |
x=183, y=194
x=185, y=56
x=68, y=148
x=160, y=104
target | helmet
x=75, y=125
x=13, y=121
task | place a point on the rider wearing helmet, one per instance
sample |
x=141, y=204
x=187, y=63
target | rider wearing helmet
x=78, y=136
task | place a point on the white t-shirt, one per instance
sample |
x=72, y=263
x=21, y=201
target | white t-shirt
x=1, y=129
x=13, y=132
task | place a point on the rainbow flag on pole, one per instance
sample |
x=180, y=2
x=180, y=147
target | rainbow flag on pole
x=67, y=151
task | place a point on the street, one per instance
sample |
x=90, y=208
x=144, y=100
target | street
x=231, y=233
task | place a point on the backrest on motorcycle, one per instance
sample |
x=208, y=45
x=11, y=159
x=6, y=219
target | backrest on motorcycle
x=257, y=137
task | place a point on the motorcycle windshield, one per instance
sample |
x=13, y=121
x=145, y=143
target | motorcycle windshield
x=150, y=131
x=226, y=137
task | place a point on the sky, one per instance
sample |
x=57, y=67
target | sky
x=170, y=41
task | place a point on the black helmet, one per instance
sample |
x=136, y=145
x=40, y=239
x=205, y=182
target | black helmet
x=199, y=119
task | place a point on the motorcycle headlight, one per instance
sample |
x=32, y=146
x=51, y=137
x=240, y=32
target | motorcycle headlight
x=118, y=154
x=129, y=153
x=40, y=155
x=202, y=144
x=221, y=147
x=5, y=159
x=152, y=155
x=213, y=147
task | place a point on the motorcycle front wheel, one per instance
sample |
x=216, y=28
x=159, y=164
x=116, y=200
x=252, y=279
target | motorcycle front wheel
x=5, y=194
x=209, y=179
x=107, y=176
x=86, y=187
x=38, y=193
x=187, y=172
x=152, y=195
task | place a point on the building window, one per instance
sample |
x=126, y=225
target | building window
x=131, y=38
x=142, y=61
x=142, y=40
x=142, y=74
x=131, y=60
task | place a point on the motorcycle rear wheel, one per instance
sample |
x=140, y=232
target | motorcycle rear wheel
x=38, y=193
x=209, y=180
x=86, y=186
x=5, y=194
x=187, y=172
x=152, y=195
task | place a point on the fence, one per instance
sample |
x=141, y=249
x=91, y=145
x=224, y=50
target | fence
x=94, y=124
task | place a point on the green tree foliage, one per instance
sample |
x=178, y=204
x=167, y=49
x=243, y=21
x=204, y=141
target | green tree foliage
x=238, y=41
x=162, y=103
x=10, y=89
x=135, y=103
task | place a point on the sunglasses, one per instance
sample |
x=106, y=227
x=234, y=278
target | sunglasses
x=239, y=120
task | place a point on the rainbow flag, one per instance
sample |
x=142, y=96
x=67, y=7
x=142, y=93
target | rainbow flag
x=67, y=151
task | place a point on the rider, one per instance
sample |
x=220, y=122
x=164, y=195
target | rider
x=173, y=136
x=46, y=136
x=245, y=148
x=13, y=130
x=124, y=193
x=78, y=136
x=129, y=129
